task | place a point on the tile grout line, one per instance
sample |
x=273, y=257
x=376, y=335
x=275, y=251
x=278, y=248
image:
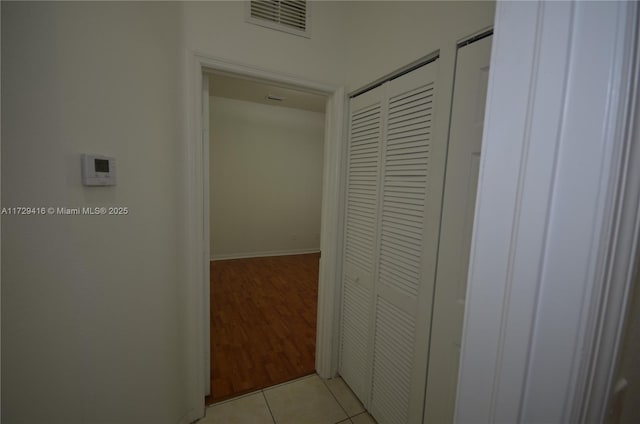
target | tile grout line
x=268, y=406
x=337, y=401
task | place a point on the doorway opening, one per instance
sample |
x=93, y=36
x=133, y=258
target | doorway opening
x=266, y=154
x=197, y=243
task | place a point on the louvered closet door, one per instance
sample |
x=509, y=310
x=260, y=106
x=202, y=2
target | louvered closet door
x=361, y=220
x=409, y=221
x=392, y=221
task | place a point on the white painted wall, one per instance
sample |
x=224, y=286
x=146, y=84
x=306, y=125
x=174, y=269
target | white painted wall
x=91, y=313
x=265, y=179
x=218, y=29
x=386, y=35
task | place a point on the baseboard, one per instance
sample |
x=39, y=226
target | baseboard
x=264, y=254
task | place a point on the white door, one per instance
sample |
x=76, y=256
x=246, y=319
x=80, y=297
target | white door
x=409, y=223
x=465, y=141
x=391, y=231
x=360, y=240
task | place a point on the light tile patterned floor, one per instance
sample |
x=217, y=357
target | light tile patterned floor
x=308, y=400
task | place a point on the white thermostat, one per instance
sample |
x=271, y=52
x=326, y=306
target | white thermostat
x=98, y=170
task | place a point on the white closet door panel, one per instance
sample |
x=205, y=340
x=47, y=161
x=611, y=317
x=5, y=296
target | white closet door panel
x=407, y=250
x=360, y=244
x=393, y=363
x=465, y=141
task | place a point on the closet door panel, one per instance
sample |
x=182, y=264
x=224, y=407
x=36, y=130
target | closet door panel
x=360, y=241
x=409, y=211
x=463, y=163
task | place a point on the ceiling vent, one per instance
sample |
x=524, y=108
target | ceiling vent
x=291, y=16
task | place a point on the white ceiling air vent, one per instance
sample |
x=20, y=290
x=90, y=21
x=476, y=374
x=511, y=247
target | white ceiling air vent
x=291, y=16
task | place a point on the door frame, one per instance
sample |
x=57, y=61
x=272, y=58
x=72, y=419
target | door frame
x=196, y=201
x=542, y=237
x=621, y=269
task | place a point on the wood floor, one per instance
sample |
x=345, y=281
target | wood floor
x=263, y=322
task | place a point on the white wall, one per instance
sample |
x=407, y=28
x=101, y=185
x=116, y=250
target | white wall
x=386, y=35
x=91, y=313
x=218, y=29
x=265, y=179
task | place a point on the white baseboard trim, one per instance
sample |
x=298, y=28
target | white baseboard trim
x=264, y=254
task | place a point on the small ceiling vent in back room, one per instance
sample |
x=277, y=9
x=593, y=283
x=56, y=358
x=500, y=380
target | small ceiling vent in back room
x=290, y=16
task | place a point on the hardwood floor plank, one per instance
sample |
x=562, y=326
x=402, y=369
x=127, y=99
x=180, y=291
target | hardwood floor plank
x=263, y=322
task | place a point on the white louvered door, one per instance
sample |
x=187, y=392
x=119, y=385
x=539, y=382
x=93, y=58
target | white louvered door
x=390, y=375
x=361, y=220
x=408, y=246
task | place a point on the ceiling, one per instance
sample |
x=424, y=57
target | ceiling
x=257, y=91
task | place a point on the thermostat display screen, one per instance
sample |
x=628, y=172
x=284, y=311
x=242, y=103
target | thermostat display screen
x=102, y=165
x=98, y=170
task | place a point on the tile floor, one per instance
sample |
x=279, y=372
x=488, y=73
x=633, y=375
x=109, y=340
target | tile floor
x=307, y=400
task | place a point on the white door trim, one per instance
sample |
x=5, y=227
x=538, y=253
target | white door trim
x=612, y=311
x=197, y=239
x=549, y=174
x=206, y=296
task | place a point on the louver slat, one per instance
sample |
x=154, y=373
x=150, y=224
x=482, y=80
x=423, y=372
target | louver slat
x=392, y=364
x=354, y=343
x=363, y=178
x=264, y=10
x=405, y=167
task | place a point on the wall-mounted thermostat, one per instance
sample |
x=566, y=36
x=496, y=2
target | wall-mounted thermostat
x=98, y=170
